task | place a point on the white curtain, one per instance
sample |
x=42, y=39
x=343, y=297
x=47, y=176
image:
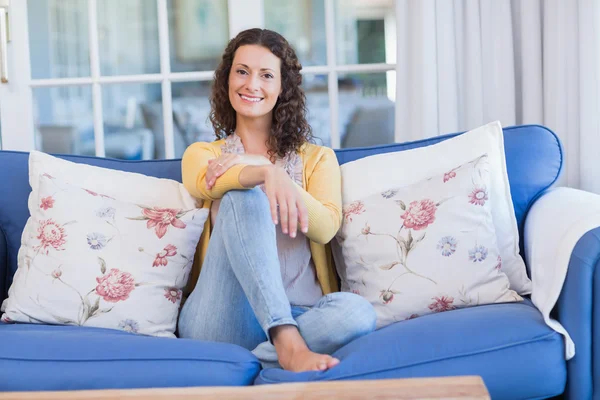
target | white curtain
x=463, y=63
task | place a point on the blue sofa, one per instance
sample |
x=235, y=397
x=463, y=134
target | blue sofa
x=509, y=345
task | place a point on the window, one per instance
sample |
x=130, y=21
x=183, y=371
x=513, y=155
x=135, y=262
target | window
x=105, y=71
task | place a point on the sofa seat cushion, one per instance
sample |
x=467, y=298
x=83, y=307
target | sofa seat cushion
x=45, y=357
x=508, y=345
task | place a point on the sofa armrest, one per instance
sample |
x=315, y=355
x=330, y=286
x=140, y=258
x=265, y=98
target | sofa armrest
x=578, y=310
x=562, y=248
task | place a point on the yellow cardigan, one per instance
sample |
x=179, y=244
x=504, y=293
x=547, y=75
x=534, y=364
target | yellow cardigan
x=323, y=199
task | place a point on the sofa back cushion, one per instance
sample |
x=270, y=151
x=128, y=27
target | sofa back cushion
x=533, y=157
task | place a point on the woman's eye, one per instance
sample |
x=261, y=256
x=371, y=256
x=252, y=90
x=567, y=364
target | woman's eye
x=241, y=71
x=268, y=76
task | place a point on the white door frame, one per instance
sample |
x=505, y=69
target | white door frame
x=16, y=110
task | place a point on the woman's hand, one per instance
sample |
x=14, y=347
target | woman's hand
x=218, y=166
x=285, y=196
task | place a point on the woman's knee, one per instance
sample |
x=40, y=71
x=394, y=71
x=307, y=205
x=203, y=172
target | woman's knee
x=248, y=201
x=359, y=312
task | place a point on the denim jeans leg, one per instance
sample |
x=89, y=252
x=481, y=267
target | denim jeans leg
x=336, y=320
x=239, y=295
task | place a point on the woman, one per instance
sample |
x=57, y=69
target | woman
x=267, y=280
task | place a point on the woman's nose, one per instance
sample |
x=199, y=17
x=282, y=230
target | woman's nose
x=253, y=84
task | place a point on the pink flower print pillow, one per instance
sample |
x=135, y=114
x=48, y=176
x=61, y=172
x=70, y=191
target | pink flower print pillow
x=91, y=260
x=425, y=248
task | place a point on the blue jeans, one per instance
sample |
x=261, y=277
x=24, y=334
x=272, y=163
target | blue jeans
x=240, y=296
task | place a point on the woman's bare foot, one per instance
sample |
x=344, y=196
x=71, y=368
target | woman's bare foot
x=305, y=360
x=293, y=353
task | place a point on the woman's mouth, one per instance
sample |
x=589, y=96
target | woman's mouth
x=250, y=99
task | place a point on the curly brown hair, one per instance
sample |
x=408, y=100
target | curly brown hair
x=289, y=129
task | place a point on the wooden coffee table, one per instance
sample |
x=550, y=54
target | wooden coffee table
x=463, y=387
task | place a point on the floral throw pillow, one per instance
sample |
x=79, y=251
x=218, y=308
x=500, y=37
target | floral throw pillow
x=96, y=261
x=424, y=248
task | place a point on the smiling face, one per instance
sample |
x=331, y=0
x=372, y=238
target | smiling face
x=254, y=82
